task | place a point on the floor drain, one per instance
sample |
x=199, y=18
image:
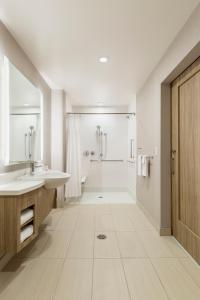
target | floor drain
x=101, y=236
x=100, y=197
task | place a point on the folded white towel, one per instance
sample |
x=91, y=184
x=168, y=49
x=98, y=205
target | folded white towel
x=145, y=166
x=139, y=165
x=83, y=179
x=26, y=232
x=26, y=215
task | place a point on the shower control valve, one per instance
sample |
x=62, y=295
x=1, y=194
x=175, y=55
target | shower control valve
x=86, y=153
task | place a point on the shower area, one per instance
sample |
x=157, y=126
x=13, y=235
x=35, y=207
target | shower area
x=106, y=143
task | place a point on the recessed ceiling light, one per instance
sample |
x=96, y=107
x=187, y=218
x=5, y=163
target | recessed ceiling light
x=26, y=104
x=103, y=59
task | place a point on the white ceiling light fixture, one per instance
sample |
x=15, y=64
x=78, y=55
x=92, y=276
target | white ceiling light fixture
x=103, y=59
x=26, y=104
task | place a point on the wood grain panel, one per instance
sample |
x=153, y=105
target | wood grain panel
x=2, y=240
x=46, y=201
x=189, y=140
x=185, y=156
x=41, y=200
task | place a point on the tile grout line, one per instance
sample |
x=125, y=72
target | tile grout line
x=122, y=264
x=58, y=279
x=64, y=260
x=70, y=240
x=160, y=280
x=179, y=259
x=92, y=287
x=39, y=256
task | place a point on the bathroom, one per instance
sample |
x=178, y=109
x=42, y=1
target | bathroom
x=99, y=192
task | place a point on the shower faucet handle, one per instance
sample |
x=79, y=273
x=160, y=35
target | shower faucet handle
x=92, y=153
x=86, y=153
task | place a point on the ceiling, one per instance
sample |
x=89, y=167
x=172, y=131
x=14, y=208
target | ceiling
x=65, y=38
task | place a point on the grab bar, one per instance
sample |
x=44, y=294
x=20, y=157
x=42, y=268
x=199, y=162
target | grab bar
x=108, y=160
x=30, y=146
x=25, y=143
x=131, y=150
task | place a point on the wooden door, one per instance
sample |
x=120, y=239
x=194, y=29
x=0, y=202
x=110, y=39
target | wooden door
x=186, y=159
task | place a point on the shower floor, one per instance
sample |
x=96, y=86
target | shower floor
x=106, y=197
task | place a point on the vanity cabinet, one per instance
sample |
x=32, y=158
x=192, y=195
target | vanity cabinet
x=39, y=202
x=46, y=201
x=2, y=243
x=13, y=207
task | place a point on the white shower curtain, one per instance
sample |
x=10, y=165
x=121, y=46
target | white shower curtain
x=73, y=187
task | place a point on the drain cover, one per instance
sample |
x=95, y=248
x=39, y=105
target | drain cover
x=100, y=197
x=101, y=236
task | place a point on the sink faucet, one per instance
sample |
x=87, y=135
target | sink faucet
x=32, y=165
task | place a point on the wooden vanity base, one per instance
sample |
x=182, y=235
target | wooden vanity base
x=40, y=200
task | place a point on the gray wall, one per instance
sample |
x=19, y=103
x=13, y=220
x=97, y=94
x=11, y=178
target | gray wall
x=10, y=48
x=153, y=126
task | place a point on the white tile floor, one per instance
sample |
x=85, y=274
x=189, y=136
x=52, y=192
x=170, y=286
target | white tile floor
x=68, y=262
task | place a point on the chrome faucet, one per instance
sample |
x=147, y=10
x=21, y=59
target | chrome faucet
x=32, y=166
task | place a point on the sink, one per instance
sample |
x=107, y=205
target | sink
x=52, y=179
x=19, y=187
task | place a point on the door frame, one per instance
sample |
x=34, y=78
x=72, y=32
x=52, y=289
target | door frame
x=165, y=146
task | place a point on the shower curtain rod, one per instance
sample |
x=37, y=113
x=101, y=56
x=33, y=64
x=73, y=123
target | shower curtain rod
x=103, y=113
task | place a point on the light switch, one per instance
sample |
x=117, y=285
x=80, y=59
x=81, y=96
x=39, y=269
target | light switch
x=155, y=150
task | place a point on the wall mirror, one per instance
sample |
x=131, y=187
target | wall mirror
x=21, y=118
x=25, y=118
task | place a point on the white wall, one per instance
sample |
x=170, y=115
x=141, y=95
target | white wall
x=105, y=174
x=149, y=120
x=60, y=106
x=57, y=129
x=57, y=137
x=67, y=109
x=100, y=109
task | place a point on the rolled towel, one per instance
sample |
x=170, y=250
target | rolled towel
x=83, y=179
x=139, y=165
x=145, y=166
x=26, y=232
x=26, y=215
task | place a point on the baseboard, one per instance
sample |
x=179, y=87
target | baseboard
x=132, y=194
x=161, y=231
x=148, y=215
x=165, y=231
x=5, y=259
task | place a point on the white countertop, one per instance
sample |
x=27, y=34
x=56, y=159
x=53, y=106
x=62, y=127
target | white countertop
x=19, y=187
